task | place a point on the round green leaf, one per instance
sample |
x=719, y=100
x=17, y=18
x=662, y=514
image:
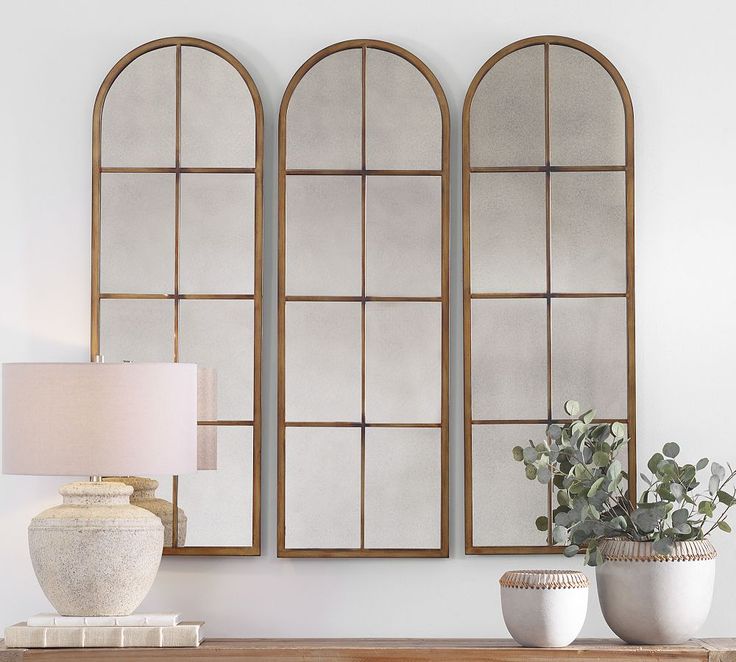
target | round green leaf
x=544, y=475
x=518, y=453
x=571, y=550
x=531, y=471
x=541, y=523
x=654, y=462
x=702, y=463
x=572, y=407
x=596, y=486
x=529, y=454
x=588, y=416
x=600, y=458
x=559, y=535
x=618, y=430
x=680, y=516
x=671, y=449
x=724, y=526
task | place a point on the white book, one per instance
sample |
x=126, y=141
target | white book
x=163, y=619
x=182, y=635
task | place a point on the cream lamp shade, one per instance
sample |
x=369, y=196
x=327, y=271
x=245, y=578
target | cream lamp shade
x=93, y=419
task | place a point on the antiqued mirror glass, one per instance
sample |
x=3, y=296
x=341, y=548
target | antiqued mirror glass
x=548, y=230
x=403, y=236
x=323, y=239
x=509, y=358
x=323, y=487
x=323, y=128
x=498, y=519
x=403, y=480
x=176, y=267
x=363, y=306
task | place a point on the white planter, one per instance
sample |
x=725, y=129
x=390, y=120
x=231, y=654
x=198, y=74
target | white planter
x=651, y=599
x=96, y=554
x=544, y=608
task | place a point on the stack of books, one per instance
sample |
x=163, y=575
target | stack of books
x=134, y=631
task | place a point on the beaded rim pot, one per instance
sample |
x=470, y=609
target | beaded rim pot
x=648, y=598
x=544, y=608
x=95, y=554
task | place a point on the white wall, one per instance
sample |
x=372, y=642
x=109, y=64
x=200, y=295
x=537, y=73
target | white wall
x=678, y=59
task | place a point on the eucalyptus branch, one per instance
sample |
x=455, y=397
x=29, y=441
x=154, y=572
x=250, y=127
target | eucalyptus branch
x=593, y=505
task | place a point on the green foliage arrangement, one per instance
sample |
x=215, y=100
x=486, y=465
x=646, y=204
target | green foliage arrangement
x=591, y=489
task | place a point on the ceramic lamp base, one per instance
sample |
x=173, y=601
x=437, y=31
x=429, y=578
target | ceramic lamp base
x=96, y=554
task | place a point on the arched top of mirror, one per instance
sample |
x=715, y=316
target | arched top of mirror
x=177, y=102
x=364, y=105
x=548, y=82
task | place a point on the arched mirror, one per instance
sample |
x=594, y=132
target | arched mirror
x=363, y=306
x=548, y=246
x=176, y=267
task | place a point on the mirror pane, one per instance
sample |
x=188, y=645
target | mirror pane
x=324, y=119
x=140, y=330
x=507, y=113
x=139, y=115
x=403, y=120
x=508, y=232
x=509, y=358
x=137, y=225
x=402, y=488
x=588, y=252
x=219, y=334
x=498, y=520
x=403, y=362
x=216, y=235
x=587, y=125
x=219, y=503
x=403, y=236
x=323, y=361
x=324, y=235
x=589, y=355
x=322, y=487
x=217, y=113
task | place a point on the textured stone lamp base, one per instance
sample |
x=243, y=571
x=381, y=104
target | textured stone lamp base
x=96, y=554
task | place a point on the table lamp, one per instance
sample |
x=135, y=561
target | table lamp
x=96, y=554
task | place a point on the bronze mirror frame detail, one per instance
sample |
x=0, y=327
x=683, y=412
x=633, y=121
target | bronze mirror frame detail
x=363, y=172
x=548, y=295
x=97, y=296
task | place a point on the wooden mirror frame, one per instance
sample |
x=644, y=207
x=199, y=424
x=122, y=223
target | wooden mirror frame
x=444, y=172
x=97, y=296
x=628, y=168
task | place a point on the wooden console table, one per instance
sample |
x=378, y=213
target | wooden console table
x=387, y=650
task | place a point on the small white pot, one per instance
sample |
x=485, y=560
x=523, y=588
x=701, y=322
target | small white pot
x=544, y=608
x=647, y=598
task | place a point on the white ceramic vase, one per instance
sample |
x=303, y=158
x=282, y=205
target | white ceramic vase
x=96, y=554
x=144, y=496
x=544, y=608
x=647, y=598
